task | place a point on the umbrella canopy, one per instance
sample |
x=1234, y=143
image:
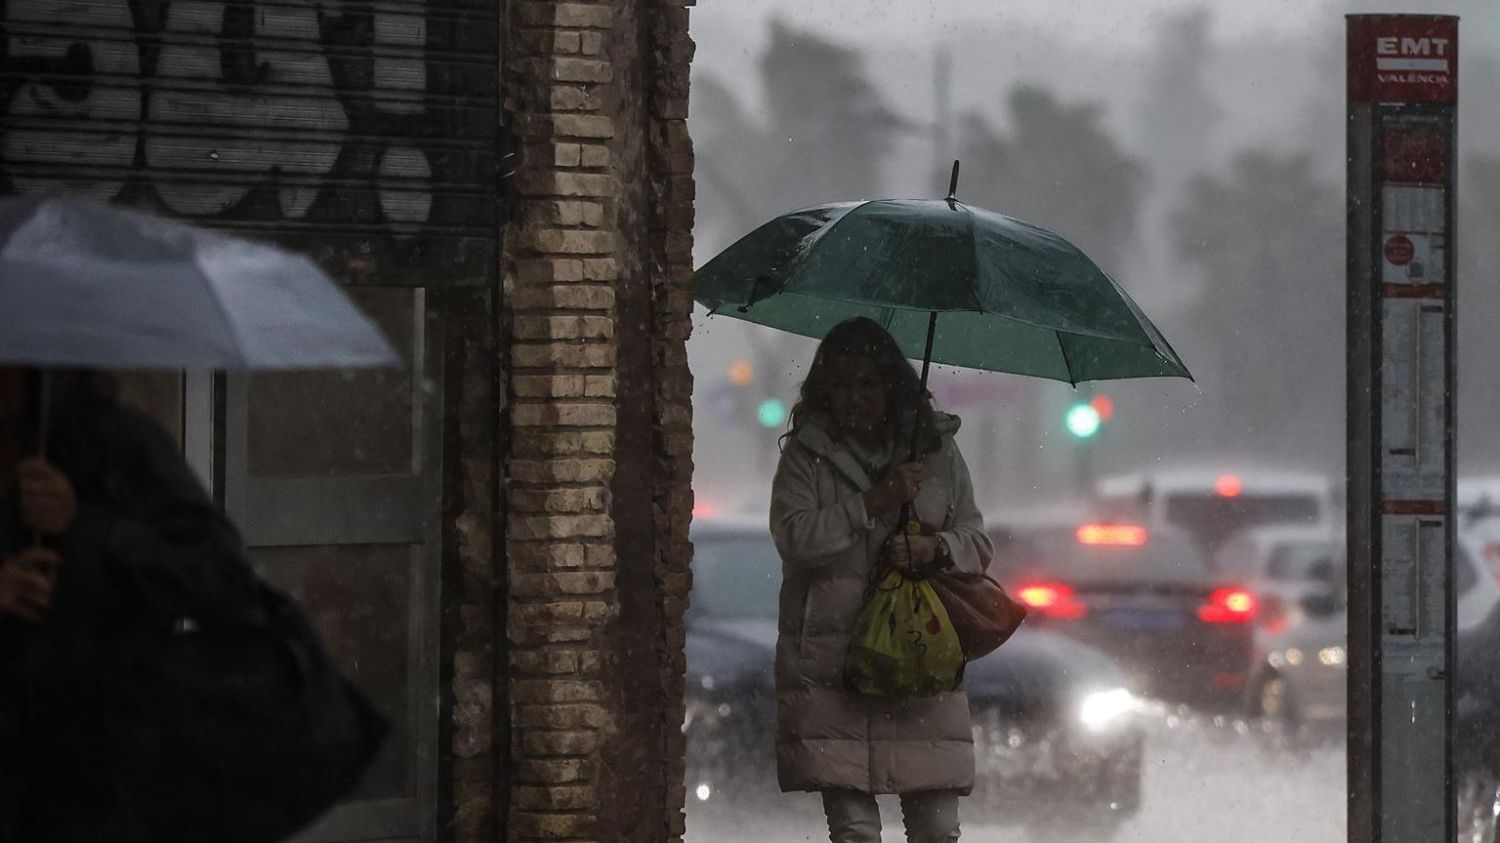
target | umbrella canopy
x=88, y=285
x=1012, y=297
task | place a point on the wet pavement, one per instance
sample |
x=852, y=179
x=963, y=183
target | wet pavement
x=1203, y=781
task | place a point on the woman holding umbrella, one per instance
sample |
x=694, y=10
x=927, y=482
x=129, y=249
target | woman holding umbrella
x=1012, y=297
x=836, y=507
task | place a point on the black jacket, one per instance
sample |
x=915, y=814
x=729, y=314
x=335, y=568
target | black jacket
x=148, y=549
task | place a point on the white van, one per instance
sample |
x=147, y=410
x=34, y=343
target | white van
x=1211, y=505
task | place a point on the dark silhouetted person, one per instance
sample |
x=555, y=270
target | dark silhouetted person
x=107, y=531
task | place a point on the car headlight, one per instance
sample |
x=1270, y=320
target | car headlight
x=1102, y=710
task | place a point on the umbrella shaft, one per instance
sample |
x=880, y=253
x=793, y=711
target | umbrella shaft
x=43, y=412
x=43, y=421
x=916, y=429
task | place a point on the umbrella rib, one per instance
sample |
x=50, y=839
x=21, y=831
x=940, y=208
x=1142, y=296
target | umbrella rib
x=1067, y=364
x=218, y=298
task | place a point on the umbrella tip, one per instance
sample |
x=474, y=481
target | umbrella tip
x=953, y=181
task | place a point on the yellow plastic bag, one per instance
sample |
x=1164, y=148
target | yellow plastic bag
x=904, y=644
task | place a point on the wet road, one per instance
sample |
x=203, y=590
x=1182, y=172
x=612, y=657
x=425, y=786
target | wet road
x=1202, y=782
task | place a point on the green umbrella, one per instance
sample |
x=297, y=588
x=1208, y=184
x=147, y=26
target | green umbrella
x=1013, y=297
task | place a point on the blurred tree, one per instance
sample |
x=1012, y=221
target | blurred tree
x=1174, y=126
x=1059, y=168
x=833, y=129
x=822, y=135
x=729, y=146
x=1267, y=331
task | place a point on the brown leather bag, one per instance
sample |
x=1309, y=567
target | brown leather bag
x=982, y=614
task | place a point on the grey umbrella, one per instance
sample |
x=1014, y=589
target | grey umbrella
x=93, y=286
x=88, y=285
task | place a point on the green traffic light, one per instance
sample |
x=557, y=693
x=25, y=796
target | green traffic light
x=1083, y=421
x=771, y=413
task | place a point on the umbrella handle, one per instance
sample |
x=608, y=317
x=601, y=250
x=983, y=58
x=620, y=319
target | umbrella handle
x=43, y=412
x=43, y=421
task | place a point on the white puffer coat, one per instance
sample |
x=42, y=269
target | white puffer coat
x=829, y=737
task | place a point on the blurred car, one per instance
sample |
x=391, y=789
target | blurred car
x=1476, y=730
x=1298, y=684
x=1058, y=732
x=730, y=721
x=1299, y=681
x=1212, y=505
x=1144, y=596
x=1281, y=565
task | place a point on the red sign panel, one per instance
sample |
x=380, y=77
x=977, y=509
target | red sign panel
x=1403, y=58
x=1399, y=250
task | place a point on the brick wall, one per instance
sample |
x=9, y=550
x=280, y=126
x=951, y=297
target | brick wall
x=598, y=482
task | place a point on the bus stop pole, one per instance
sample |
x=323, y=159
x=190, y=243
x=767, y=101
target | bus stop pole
x=1402, y=98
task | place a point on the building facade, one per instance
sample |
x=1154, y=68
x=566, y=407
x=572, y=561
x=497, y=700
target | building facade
x=493, y=539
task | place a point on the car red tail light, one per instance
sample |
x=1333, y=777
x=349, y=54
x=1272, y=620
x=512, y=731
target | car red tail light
x=1229, y=605
x=1053, y=600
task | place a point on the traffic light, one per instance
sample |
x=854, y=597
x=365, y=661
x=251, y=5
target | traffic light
x=1104, y=406
x=771, y=413
x=741, y=373
x=1083, y=420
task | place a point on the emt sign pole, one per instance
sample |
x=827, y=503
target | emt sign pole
x=1403, y=94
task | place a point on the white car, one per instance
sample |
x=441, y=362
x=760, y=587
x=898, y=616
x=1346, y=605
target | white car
x=1213, y=504
x=1282, y=566
x=1299, y=679
x=1269, y=556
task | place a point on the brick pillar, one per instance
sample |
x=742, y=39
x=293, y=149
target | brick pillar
x=598, y=487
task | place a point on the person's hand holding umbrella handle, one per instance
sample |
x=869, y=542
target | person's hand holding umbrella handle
x=894, y=488
x=48, y=502
x=48, y=506
x=917, y=556
x=26, y=582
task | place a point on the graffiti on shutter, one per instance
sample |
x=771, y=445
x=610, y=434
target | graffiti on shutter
x=361, y=132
